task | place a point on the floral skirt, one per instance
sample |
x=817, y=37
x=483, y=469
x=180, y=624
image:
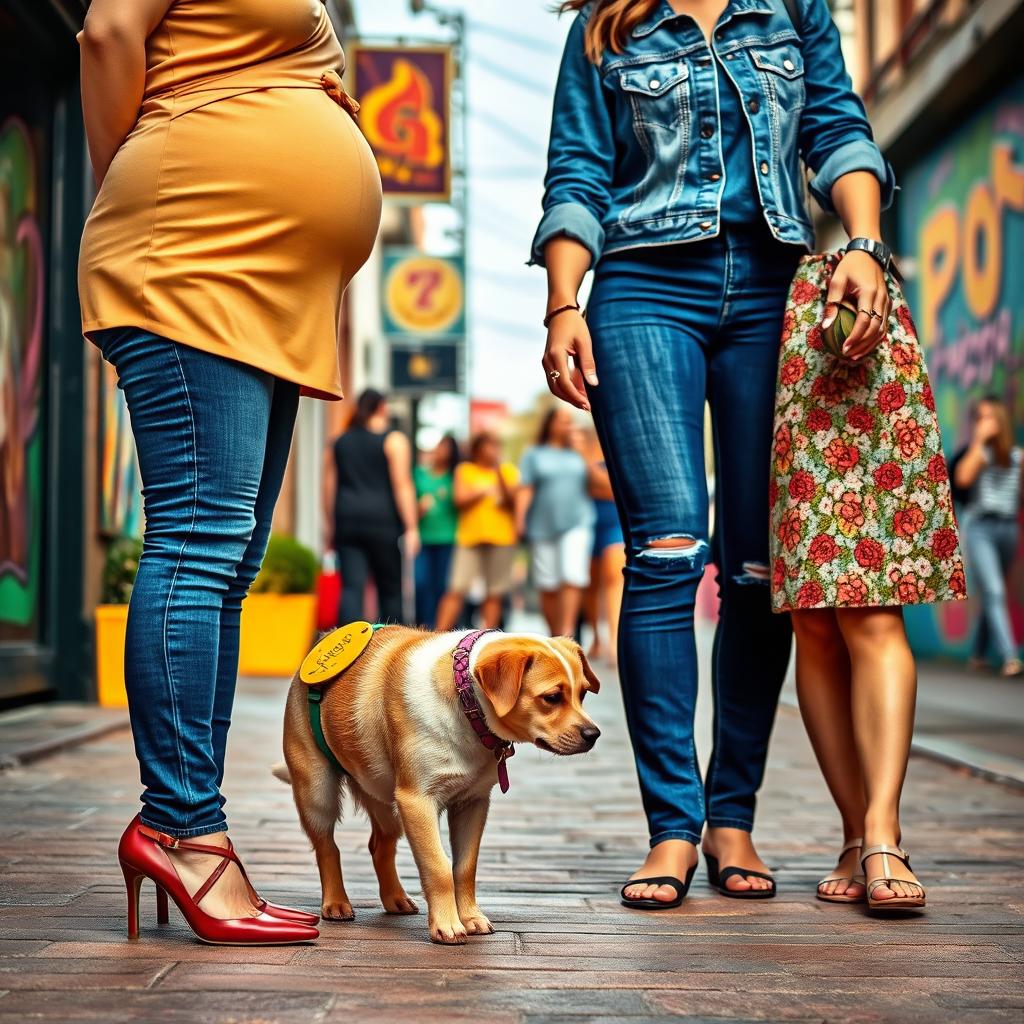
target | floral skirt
x=861, y=512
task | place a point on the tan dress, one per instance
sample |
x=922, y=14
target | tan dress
x=245, y=198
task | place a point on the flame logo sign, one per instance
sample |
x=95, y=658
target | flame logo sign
x=400, y=120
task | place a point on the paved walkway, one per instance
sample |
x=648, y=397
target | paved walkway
x=556, y=849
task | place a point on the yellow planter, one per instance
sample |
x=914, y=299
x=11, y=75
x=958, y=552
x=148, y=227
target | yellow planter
x=111, y=623
x=277, y=633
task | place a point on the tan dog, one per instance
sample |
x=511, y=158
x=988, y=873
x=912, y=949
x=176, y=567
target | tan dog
x=395, y=722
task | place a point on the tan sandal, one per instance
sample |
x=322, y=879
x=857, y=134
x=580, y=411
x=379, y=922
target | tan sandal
x=842, y=897
x=897, y=902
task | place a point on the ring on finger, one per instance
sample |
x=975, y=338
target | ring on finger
x=554, y=375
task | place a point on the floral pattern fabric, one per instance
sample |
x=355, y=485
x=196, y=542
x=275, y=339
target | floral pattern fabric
x=861, y=512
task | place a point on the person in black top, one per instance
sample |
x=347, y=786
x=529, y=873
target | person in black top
x=369, y=505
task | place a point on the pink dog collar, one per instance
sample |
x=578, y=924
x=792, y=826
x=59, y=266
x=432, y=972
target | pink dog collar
x=501, y=749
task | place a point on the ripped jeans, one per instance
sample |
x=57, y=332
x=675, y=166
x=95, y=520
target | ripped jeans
x=673, y=327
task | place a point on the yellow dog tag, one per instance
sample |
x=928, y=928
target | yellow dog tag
x=335, y=652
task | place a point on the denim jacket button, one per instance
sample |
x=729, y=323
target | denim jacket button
x=714, y=177
x=654, y=83
x=764, y=167
x=729, y=56
x=788, y=65
x=707, y=131
x=705, y=225
x=753, y=106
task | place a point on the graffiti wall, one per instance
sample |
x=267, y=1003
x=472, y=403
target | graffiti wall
x=961, y=223
x=21, y=359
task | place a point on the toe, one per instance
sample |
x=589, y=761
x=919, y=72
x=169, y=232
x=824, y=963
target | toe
x=738, y=883
x=883, y=892
x=665, y=893
x=842, y=887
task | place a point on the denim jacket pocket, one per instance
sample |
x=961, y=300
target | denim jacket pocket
x=658, y=93
x=781, y=71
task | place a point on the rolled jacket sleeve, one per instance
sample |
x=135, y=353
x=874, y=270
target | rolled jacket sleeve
x=581, y=154
x=835, y=135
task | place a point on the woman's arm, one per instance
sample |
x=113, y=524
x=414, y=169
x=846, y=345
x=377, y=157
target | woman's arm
x=113, y=44
x=599, y=483
x=567, y=262
x=970, y=465
x=523, y=501
x=465, y=495
x=859, y=277
x=398, y=452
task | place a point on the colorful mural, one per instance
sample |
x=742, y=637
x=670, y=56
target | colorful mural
x=961, y=221
x=21, y=354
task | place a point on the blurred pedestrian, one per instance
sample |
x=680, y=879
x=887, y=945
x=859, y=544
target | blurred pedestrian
x=435, y=497
x=485, y=539
x=608, y=559
x=370, y=513
x=555, y=514
x=210, y=276
x=681, y=183
x=986, y=476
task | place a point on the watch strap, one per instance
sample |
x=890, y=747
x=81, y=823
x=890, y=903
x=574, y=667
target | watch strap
x=877, y=250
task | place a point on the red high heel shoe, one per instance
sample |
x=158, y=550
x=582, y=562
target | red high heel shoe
x=141, y=854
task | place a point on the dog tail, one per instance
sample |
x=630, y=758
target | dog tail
x=280, y=771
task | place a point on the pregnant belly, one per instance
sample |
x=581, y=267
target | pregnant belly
x=282, y=171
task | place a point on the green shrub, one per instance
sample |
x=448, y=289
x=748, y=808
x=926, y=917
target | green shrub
x=119, y=570
x=288, y=568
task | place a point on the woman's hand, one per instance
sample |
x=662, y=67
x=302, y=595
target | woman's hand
x=569, y=337
x=860, y=280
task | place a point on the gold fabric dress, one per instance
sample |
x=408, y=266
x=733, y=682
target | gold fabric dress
x=237, y=210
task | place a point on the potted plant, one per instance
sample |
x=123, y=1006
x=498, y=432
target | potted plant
x=279, y=615
x=112, y=620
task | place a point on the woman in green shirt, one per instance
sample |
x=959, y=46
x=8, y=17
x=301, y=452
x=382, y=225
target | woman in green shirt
x=438, y=519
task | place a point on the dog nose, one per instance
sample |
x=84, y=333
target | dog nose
x=590, y=734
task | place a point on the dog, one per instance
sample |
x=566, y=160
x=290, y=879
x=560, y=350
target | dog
x=410, y=749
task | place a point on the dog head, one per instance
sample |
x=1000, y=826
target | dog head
x=536, y=689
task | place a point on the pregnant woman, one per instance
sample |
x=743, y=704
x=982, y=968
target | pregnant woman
x=237, y=198
x=675, y=168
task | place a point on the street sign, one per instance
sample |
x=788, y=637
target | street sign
x=422, y=296
x=416, y=369
x=405, y=98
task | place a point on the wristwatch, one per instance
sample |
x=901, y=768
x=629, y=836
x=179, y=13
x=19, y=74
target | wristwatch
x=878, y=251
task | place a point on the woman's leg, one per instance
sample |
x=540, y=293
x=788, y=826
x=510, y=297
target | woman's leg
x=1006, y=541
x=752, y=645
x=823, y=688
x=354, y=569
x=592, y=608
x=651, y=400
x=985, y=566
x=281, y=424
x=200, y=424
x=385, y=557
x=613, y=562
x=884, y=690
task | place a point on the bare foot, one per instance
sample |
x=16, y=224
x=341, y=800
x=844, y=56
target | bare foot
x=735, y=849
x=672, y=857
x=230, y=898
x=840, y=881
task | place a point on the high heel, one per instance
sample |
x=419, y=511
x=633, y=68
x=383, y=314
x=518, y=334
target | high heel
x=141, y=853
x=842, y=897
x=897, y=902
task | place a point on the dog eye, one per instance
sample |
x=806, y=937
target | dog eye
x=552, y=698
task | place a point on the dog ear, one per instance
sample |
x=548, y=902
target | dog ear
x=499, y=671
x=593, y=683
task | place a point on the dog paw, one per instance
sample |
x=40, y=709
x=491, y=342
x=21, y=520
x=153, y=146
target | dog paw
x=476, y=923
x=337, y=910
x=448, y=933
x=398, y=903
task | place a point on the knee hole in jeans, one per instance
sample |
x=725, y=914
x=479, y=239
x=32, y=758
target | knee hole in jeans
x=680, y=548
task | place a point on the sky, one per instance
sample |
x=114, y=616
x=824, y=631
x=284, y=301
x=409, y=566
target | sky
x=514, y=49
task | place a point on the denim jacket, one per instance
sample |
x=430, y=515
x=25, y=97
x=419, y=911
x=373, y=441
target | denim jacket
x=635, y=156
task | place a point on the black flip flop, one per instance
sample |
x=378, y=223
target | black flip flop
x=649, y=902
x=718, y=879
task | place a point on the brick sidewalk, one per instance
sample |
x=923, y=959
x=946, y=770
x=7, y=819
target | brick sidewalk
x=555, y=851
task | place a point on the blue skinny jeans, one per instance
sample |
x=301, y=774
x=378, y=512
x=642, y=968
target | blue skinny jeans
x=213, y=438
x=672, y=327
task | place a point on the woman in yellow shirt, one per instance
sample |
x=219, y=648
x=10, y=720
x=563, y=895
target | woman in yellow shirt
x=237, y=198
x=485, y=540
